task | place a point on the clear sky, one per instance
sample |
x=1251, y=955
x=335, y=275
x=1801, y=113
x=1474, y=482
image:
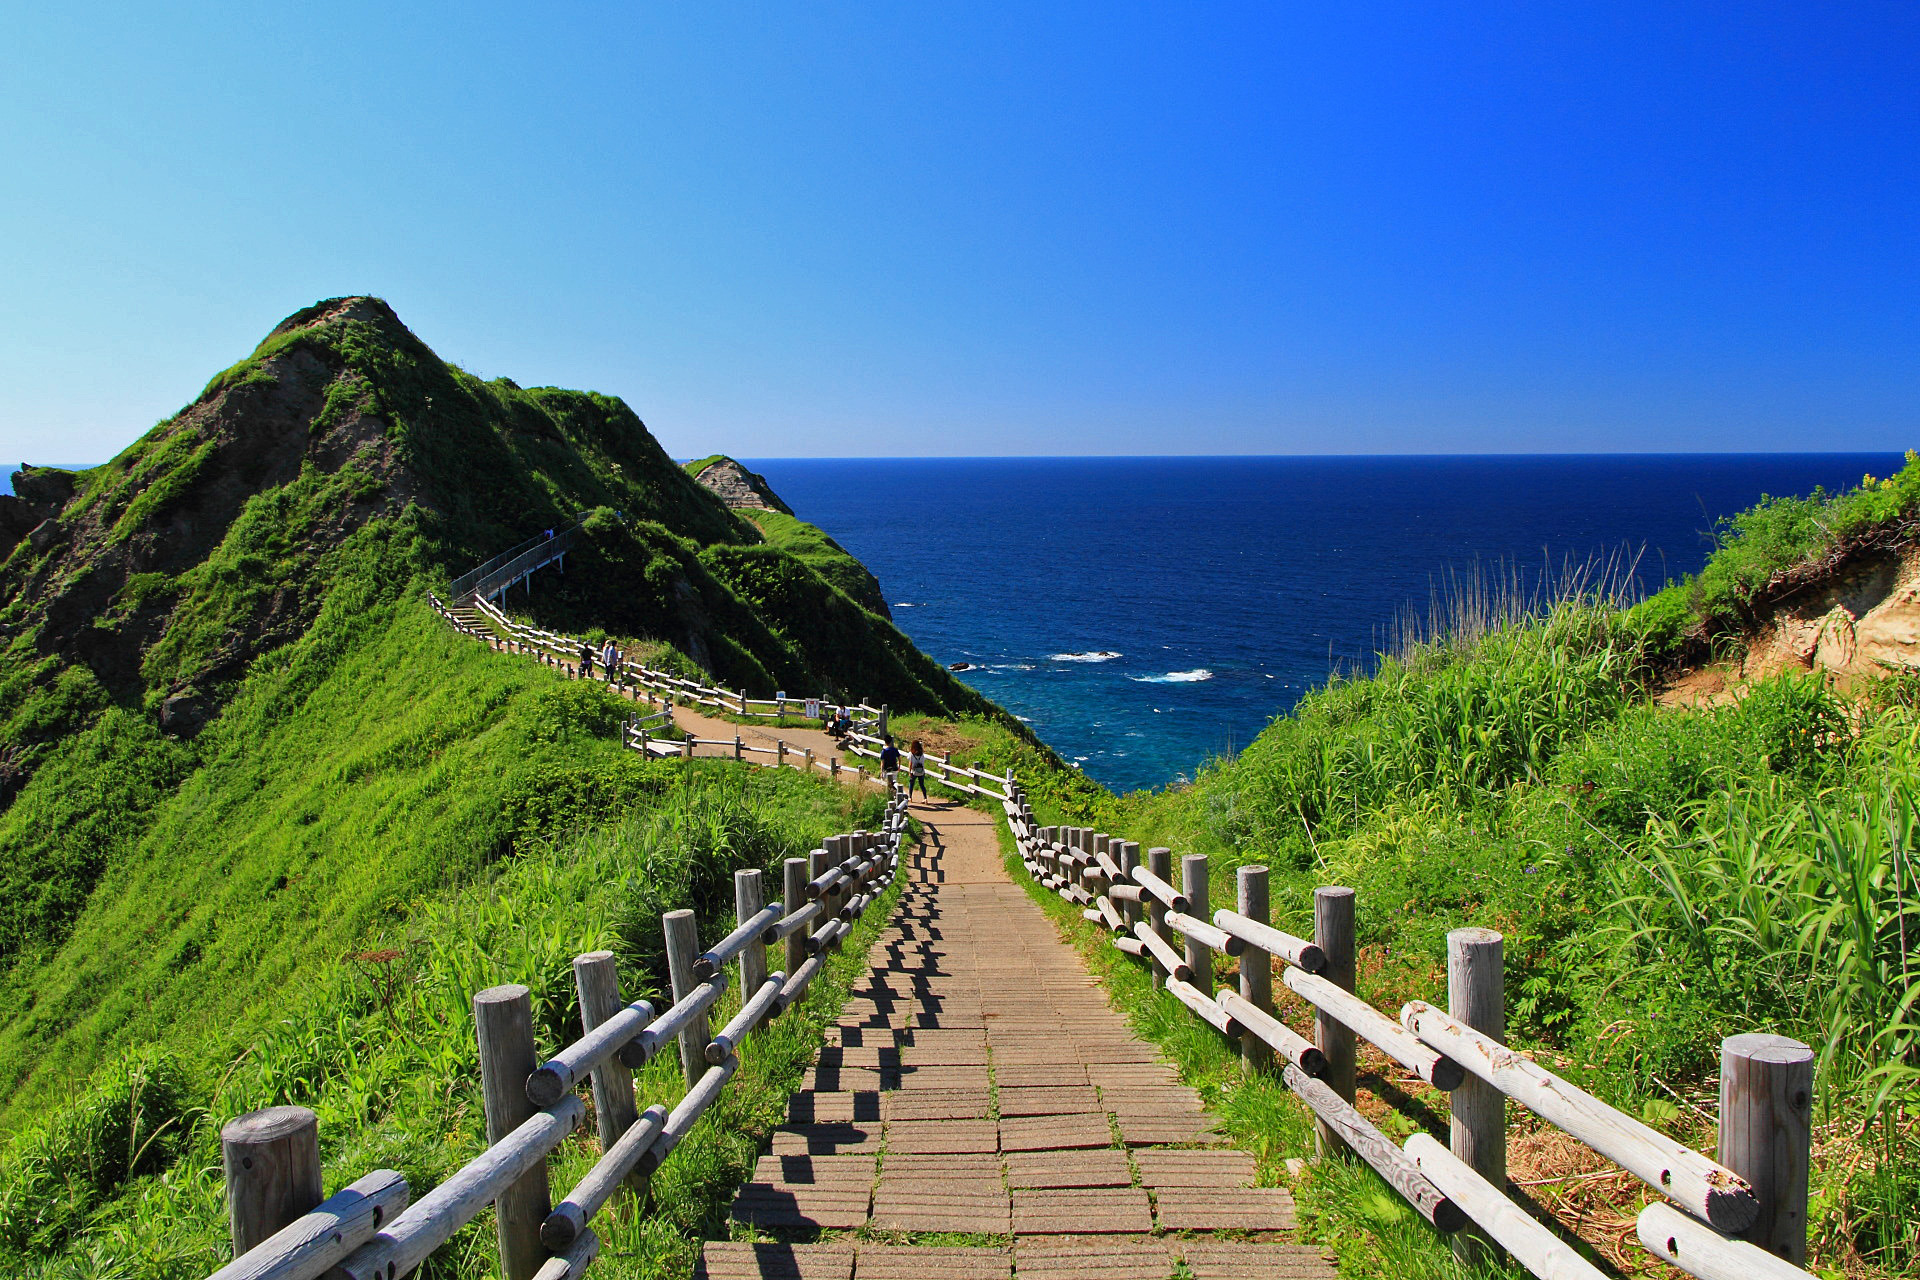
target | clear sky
x=825, y=229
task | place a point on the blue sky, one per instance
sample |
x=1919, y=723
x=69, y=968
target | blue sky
x=784, y=230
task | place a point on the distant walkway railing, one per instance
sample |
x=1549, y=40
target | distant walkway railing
x=369, y=1231
x=1742, y=1217
x=510, y=568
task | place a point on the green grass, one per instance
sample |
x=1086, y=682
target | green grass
x=1343, y=1205
x=1774, y=536
x=379, y=1040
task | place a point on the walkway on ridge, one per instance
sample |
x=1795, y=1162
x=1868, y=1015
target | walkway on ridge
x=977, y=1082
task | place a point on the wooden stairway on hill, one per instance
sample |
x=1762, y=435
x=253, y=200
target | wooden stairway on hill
x=978, y=1085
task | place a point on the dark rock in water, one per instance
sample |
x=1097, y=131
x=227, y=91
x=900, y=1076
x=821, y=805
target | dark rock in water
x=960, y=666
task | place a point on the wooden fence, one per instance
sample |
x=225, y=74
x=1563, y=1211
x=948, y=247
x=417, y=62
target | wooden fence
x=372, y=1230
x=1740, y=1217
x=502, y=632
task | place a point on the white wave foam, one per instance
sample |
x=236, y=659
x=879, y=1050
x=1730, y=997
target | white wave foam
x=1095, y=655
x=1176, y=677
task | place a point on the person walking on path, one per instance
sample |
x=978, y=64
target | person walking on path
x=917, y=769
x=586, y=661
x=609, y=661
x=890, y=763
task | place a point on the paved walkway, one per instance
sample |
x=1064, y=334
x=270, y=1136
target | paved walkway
x=979, y=1110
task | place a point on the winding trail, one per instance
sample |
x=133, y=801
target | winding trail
x=979, y=1110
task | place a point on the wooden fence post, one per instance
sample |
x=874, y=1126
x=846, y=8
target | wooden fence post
x=272, y=1160
x=1129, y=859
x=503, y=1024
x=1476, y=995
x=1333, y=934
x=1256, y=969
x=748, y=898
x=1193, y=883
x=683, y=948
x=793, y=895
x=1160, y=863
x=1766, y=1134
x=597, y=978
x=738, y=753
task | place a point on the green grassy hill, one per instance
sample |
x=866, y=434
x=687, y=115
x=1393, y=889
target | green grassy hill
x=250, y=786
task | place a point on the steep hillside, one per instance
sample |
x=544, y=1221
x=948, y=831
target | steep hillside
x=249, y=782
x=139, y=597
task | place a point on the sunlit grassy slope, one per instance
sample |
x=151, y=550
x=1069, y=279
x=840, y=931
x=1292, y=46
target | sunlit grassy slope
x=1664, y=878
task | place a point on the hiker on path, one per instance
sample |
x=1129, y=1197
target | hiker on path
x=890, y=763
x=917, y=769
x=609, y=661
x=586, y=661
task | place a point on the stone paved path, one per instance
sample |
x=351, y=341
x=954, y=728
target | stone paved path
x=978, y=1086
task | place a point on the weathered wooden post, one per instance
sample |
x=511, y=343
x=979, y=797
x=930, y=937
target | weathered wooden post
x=597, y=978
x=793, y=894
x=779, y=753
x=503, y=1025
x=1476, y=995
x=1766, y=1134
x=1193, y=883
x=1129, y=859
x=1160, y=863
x=738, y=749
x=1256, y=968
x=1333, y=934
x=886, y=718
x=272, y=1160
x=749, y=897
x=807, y=753
x=683, y=948
x=743, y=703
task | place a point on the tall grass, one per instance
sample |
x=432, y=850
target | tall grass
x=124, y=1179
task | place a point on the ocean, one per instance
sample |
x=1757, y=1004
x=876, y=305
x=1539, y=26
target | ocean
x=1146, y=614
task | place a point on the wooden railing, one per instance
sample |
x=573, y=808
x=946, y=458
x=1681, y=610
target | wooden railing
x=1741, y=1217
x=370, y=1231
x=507, y=634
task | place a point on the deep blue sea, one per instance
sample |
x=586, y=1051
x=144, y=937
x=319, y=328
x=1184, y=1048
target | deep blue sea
x=1144, y=614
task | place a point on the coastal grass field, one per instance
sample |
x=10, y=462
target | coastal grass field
x=1664, y=877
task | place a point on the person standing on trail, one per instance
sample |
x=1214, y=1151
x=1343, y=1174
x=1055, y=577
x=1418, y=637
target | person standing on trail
x=586, y=661
x=916, y=769
x=609, y=660
x=890, y=763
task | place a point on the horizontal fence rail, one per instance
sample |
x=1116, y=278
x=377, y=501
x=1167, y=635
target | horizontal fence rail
x=1743, y=1215
x=372, y=1230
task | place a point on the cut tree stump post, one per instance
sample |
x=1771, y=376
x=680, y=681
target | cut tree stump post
x=1160, y=863
x=683, y=948
x=1766, y=1134
x=793, y=894
x=597, y=978
x=503, y=1024
x=272, y=1160
x=1256, y=969
x=1193, y=883
x=1476, y=995
x=1333, y=934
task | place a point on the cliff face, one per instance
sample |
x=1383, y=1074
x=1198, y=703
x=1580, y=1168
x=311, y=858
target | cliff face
x=738, y=487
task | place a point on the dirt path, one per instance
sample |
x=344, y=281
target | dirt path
x=978, y=1086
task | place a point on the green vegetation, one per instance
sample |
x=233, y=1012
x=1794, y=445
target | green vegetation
x=270, y=822
x=810, y=545
x=1343, y=1205
x=1664, y=878
x=124, y=1178
x=1767, y=544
